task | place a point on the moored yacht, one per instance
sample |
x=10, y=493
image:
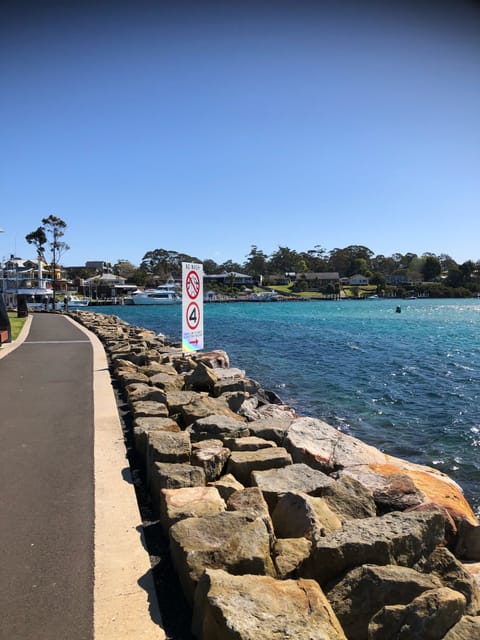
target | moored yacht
x=160, y=295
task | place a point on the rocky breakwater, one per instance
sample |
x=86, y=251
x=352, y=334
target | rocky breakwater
x=281, y=526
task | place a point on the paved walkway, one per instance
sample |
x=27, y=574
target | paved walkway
x=73, y=566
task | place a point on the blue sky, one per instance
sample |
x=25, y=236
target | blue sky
x=206, y=128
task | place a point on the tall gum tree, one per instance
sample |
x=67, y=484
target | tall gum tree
x=50, y=232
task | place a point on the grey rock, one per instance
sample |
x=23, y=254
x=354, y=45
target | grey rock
x=271, y=428
x=205, y=407
x=202, y=378
x=167, y=475
x=453, y=574
x=289, y=554
x=144, y=426
x=295, y=477
x=230, y=540
x=227, y=485
x=365, y=590
x=167, y=382
x=323, y=447
x=428, y=617
x=140, y=391
x=468, y=628
x=249, y=443
x=188, y=502
x=212, y=456
x=142, y=409
x=249, y=607
x=349, y=499
x=241, y=464
x=396, y=538
x=251, y=501
x=217, y=426
x=298, y=515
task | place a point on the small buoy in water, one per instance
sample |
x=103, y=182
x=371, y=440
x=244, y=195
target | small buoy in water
x=398, y=309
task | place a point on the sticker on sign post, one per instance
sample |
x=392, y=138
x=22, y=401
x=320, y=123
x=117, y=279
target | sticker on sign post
x=192, y=306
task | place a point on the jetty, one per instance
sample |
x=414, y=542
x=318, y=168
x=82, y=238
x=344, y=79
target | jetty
x=257, y=522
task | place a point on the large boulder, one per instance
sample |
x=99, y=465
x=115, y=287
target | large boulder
x=130, y=375
x=142, y=427
x=176, y=400
x=202, y=378
x=141, y=391
x=428, y=617
x=271, y=428
x=399, y=484
x=349, y=499
x=365, y=590
x=295, y=477
x=396, y=538
x=167, y=475
x=167, y=381
x=217, y=359
x=188, y=502
x=217, y=426
x=298, y=515
x=289, y=554
x=231, y=540
x=251, y=501
x=468, y=542
x=153, y=368
x=247, y=385
x=249, y=607
x=205, y=407
x=467, y=628
x=148, y=409
x=212, y=456
x=168, y=446
x=241, y=464
x=226, y=485
x=249, y=443
x=323, y=447
x=453, y=574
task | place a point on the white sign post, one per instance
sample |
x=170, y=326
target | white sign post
x=192, y=306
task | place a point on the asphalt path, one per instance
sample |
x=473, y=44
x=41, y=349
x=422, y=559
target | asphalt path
x=47, y=484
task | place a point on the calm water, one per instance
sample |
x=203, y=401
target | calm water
x=408, y=383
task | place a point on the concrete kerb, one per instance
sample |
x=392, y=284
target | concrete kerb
x=11, y=346
x=125, y=601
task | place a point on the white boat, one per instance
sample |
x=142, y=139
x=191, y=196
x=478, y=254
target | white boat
x=160, y=295
x=75, y=301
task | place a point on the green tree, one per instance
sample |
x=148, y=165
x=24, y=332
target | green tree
x=39, y=239
x=283, y=260
x=163, y=262
x=256, y=264
x=210, y=266
x=455, y=277
x=51, y=232
x=124, y=268
x=467, y=269
x=431, y=268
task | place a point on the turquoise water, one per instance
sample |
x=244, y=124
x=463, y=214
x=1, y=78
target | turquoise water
x=408, y=383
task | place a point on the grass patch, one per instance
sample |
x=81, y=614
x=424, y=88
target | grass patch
x=16, y=324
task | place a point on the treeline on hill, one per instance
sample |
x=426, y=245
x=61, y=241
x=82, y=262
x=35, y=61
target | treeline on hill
x=427, y=274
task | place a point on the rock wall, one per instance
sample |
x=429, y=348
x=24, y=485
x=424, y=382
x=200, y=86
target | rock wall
x=281, y=526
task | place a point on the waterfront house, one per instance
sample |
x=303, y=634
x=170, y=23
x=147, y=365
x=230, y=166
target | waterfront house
x=358, y=280
x=106, y=285
x=317, y=281
x=231, y=279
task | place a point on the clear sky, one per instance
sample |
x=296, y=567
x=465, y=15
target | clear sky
x=208, y=127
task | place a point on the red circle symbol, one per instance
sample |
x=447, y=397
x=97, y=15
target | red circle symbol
x=192, y=284
x=193, y=315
